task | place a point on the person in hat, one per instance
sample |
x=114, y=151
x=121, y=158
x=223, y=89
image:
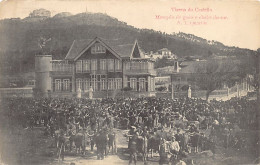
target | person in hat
x=61, y=145
x=174, y=146
x=133, y=148
x=132, y=130
x=174, y=149
x=163, y=152
x=178, y=135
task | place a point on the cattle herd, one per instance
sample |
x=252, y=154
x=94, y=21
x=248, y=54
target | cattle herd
x=156, y=125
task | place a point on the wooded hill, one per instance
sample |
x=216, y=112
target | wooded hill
x=20, y=38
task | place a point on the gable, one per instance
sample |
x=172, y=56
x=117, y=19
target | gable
x=117, y=47
x=97, y=51
x=97, y=46
x=136, y=53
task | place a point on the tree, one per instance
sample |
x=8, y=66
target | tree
x=160, y=63
x=248, y=68
x=212, y=74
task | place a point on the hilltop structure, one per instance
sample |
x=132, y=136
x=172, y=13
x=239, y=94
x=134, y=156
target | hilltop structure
x=164, y=52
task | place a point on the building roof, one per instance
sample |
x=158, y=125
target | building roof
x=123, y=50
x=164, y=49
x=77, y=47
x=121, y=47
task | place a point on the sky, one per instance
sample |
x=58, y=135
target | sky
x=232, y=22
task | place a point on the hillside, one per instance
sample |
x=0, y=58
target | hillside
x=20, y=38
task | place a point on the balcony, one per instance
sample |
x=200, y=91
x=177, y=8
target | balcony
x=140, y=72
x=61, y=68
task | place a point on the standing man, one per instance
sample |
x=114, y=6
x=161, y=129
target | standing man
x=92, y=139
x=178, y=136
x=101, y=142
x=133, y=148
x=91, y=93
x=163, y=152
x=61, y=145
x=174, y=150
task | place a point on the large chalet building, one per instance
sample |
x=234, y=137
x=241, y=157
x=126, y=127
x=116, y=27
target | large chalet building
x=106, y=66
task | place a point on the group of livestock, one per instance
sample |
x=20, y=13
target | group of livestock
x=200, y=124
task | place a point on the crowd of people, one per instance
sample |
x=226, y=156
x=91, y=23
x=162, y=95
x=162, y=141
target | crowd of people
x=146, y=115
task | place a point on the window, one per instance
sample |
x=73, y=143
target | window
x=59, y=67
x=86, y=83
x=79, y=66
x=110, y=83
x=135, y=65
x=57, y=84
x=94, y=82
x=118, y=83
x=103, y=65
x=142, y=65
x=78, y=84
x=103, y=84
x=86, y=65
x=127, y=65
x=94, y=64
x=54, y=68
x=152, y=84
x=141, y=84
x=66, y=84
x=98, y=48
x=118, y=65
x=31, y=82
x=93, y=76
x=133, y=83
x=110, y=63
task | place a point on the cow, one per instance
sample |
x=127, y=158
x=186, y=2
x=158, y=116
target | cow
x=101, y=143
x=124, y=123
x=184, y=142
x=153, y=145
x=79, y=140
x=142, y=147
x=194, y=141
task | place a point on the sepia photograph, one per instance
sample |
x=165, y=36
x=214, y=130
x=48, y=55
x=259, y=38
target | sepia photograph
x=129, y=82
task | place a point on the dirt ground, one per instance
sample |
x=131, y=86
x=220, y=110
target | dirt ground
x=30, y=147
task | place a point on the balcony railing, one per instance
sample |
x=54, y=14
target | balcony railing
x=140, y=71
x=61, y=68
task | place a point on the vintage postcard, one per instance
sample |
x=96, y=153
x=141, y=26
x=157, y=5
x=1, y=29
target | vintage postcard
x=129, y=82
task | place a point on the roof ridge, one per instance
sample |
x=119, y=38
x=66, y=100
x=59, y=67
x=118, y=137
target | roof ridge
x=67, y=55
x=125, y=44
x=121, y=47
